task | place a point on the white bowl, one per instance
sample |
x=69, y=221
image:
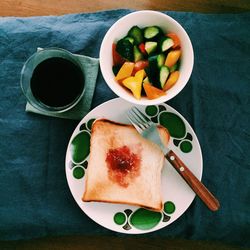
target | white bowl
x=142, y=19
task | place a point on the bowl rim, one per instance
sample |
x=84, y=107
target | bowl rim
x=123, y=94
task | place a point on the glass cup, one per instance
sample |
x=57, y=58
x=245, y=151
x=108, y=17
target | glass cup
x=27, y=73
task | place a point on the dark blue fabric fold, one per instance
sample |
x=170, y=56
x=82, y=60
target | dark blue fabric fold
x=35, y=200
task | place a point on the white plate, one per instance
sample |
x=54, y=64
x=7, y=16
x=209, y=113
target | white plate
x=177, y=195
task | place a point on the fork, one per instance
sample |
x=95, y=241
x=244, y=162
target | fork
x=149, y=131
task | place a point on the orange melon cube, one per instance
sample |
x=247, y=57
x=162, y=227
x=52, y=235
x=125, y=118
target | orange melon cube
x=125, y=71
x=174, y=76
x=152, y=92
x=172, y=58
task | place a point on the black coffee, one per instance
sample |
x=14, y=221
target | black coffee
x=57, y=82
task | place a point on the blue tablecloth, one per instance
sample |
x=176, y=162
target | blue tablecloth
x=35, y=200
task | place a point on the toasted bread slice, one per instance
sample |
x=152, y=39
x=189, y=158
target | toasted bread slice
x=123, y=166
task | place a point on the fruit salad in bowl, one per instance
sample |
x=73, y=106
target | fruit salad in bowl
x=146, y=57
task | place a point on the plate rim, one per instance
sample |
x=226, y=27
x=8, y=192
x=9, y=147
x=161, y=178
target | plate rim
x=77, y=128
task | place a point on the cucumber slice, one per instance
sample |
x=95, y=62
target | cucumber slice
x=137, y=54
x=152, y=62
x=156, y=60
x=131, y=39
x=166, y=43
x=153, y=71
x=161, y=60
x=116, y=69
x=146, y=80
x=175, y=67
x=164, y=73
x=152, y=32
x=150, y=47
x=125, y=48
x=136, y=33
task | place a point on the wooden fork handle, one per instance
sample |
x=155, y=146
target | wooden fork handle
x=205, y=195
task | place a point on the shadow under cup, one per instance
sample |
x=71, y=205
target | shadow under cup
x=53, y=80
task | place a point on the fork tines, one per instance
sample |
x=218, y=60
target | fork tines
x=139, y=114
x=138, y=119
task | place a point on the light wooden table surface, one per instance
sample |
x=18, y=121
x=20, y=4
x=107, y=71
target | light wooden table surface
x=58, y=7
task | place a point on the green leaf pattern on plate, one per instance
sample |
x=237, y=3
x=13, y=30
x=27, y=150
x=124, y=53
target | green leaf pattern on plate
x=144, y=219
x=174, y=124
x=79, y=150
